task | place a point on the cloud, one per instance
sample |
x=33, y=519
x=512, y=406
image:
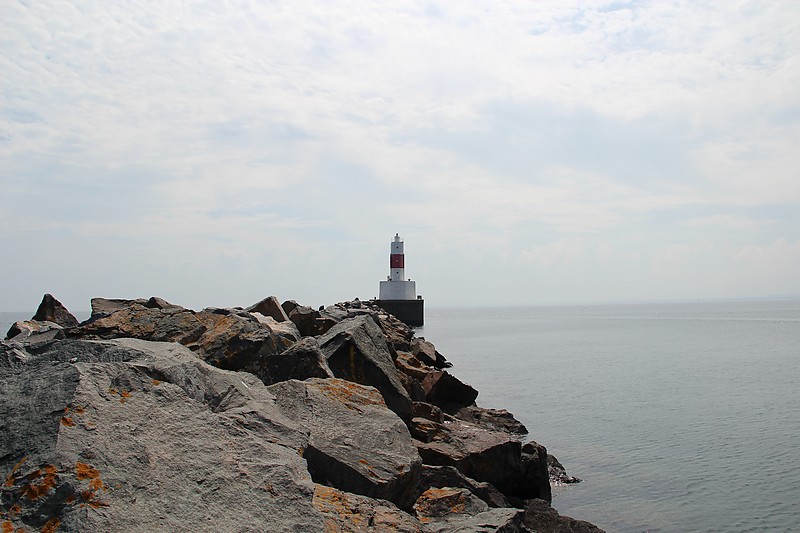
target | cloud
x=205, y=142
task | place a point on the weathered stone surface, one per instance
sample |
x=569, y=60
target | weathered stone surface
x=269, y=306
x=448, y=476
x=451, y=509
x=429, y=411
x=426, y=352
x=347, y=512
x=356, y=350
x=136, y=321
x=534, y=482
x=236, y=340
x=540, y=517
x=308, y=321
x=32, y=331
x=51, y=310
x=494, y=419
x=285, y=329
x=447, y=391
x=557, y=473
x=143, y=436
x=300, y=361
x=411, y=366
x=478, y=453
x=355, y=443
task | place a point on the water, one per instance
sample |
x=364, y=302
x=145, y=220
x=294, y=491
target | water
x=679, y=417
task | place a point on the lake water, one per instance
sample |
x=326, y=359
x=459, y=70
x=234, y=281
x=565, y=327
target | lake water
x=679, y=417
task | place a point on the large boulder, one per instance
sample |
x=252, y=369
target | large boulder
x=135, y=320
x=269, y=306
x=478, y=453
x=356, y=350
x=448, y=476
x=447, y=391
x=345, y=512
x=33, y=331
x=494, y=419
x=51, y=310
x=451, y=509
x=542, y=518
x=355, y=443
x=129, y=435
x=300, y=361
x=426, y=352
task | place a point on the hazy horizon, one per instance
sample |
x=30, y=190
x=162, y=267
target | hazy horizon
x=554, y=152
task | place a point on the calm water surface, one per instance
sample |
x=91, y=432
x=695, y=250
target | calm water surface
x=680, y=417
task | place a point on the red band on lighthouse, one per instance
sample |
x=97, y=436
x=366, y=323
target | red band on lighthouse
x=396, y=261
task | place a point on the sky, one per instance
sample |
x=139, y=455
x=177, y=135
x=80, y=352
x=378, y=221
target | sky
x=217, y=152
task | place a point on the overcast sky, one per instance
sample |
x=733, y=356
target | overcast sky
x=214, y=153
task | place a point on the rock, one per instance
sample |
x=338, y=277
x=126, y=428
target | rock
x=51, y=310
x=483, y=455
x=557, y=473
x=452, y=509
x=300, y=361
x=236, y=340
x=447, y=392
x=308, y=321
x=494, y=419
x=33, y=331
x=143, y=436
x=355, y=443
x=136, y=321
x=285, y=329
x=429, y=411
x=535, y=482
x=106, y=306
x=448, y=476
x=269, y=306
x=426, y=352
x=356, y=350
x=425, y=430
x=344, y=511
x=540, y=517
x=411, y=366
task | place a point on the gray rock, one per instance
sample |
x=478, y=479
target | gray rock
x=542, y=518
x=447, y=391
x=356, y=350
x=134, y=320
x=33, y=331
x=344, y=511
x=269, y=306
x=51, y=310
x=300, y=361
x=355, y=443
x=558, y=474
x=478, y=453
x=147, y=438
x=450, y=509
x=426, y=352
x=534, y=482
x=494, y=419
x=448, y=476
x=106, y=306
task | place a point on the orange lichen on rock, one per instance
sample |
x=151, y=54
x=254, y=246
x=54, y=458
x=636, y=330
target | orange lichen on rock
x=335, y=502
x=51, y=526
x=67, y=421
x=85, y=471
x=156, y=382
x=8, y=526
x=124, y=395
x=78, y=410
x=352, y=395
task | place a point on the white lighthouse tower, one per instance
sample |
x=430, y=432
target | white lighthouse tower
x=398, y=295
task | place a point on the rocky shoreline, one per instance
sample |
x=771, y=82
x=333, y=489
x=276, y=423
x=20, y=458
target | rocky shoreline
x=276, y=417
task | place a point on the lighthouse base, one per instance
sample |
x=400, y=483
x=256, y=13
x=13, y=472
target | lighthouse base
x=411, y=312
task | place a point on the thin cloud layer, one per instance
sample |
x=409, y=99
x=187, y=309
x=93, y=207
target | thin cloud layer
x=549, y=152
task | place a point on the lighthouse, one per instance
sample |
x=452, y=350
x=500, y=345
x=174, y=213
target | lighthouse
x=398, y=295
